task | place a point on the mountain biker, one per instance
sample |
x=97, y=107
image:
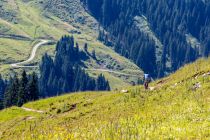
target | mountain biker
x=147, y=80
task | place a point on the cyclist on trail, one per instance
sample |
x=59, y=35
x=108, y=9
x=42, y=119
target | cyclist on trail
x=147, y=80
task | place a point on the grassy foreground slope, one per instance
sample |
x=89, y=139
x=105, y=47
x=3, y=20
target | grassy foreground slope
x=176, y=107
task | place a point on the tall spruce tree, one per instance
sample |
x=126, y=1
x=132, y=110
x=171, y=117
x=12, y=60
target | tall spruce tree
x=11, y=94
x=23, y=90
x=46, y=72
x=94, y=54
x=33, y=91
x=1, y=103
x=2, y=90
x=102, y=84
x=86, y=47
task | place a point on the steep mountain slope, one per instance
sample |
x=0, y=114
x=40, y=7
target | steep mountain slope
x=24, y=22
x=176, y=107
x=158, y=35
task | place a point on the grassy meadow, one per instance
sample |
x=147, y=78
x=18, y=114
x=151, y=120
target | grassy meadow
x=174, y=108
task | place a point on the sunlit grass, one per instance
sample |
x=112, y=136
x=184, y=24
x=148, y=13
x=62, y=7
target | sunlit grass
x=169, y=112
x=14, y=50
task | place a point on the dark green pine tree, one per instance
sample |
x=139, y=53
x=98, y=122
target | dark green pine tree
x=107, y=87
x=86, y=47
x=94, y=54
x=46, y=72
x=99, y=83
x=11, y=94
x=23, y=90
x=1, y=104
x=91, y=84
x=33, y=91
x=77, y=72
x=206, y=51
x=2, y=90
x=102, y=84
x=7, y=98
x=77, y=49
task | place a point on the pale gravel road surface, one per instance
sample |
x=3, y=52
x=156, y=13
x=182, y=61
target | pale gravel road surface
x=32, y=56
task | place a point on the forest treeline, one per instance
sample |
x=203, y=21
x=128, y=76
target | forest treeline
x=170, y=20
x=60, y=75
x=64, y=73
x=17, y=91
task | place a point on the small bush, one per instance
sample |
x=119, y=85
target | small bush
x=58, y=111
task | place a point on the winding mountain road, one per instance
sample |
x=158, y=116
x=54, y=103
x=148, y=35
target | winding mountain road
x=32, y=56
x=43, y=42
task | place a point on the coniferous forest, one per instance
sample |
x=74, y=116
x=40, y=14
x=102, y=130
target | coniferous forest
x=64, y=73
x=171, y=21
x=60, y=75
x=17, y=91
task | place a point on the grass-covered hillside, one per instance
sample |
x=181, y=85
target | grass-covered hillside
x=176, y=107
x=24, y=22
